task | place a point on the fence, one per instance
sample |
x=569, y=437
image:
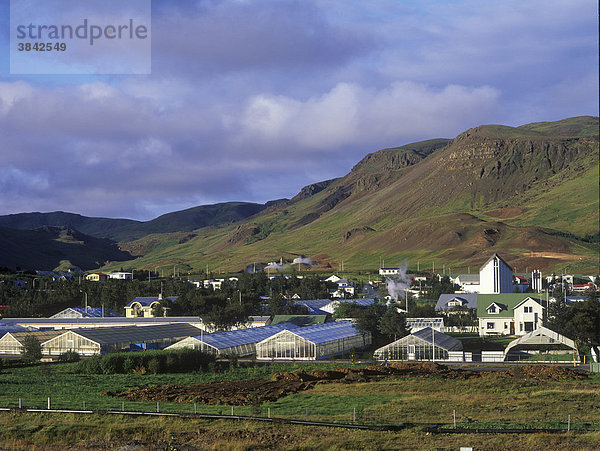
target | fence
x=354, y=419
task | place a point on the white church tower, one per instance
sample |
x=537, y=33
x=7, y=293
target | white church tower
x=496, y=276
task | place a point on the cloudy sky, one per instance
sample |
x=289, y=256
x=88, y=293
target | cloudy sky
x=251, y=100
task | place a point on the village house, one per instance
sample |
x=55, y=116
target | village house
x=509, y=314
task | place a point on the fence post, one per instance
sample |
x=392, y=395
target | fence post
x=123, y=406
x=354, y=416
x=454, y=415
x=269, y=412
x=48, y=402
x=20, y=404
x=157, y=407
x=569, y=423
x=307, y=414
x=231, y=410
x=195, y=408
x=83, y=405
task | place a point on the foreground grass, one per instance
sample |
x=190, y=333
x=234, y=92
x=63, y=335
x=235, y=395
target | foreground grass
x=69, y=432
x=488, y=399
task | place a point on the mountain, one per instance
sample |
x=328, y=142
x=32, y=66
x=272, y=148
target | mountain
x=49, y=247
x=127, y=229
x=529, y=193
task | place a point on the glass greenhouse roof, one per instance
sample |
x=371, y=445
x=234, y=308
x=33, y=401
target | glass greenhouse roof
x=241, y=337
x=322, y=333
x=134, y=334
x=441, y=340
x=420, y=323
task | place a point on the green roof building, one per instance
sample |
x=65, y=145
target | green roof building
x=510, y=313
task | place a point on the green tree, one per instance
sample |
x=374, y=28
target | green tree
x=32, y=349
x=393, y=324
x=580, y=321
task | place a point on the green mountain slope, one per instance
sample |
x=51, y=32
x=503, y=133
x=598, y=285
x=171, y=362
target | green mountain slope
x=47, y=248
x=127, y=229
x=491, y=189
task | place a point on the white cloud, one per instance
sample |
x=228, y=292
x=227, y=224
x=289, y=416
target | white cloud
x=351, y=114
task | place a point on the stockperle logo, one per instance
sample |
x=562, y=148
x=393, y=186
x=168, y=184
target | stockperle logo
x=80, y=37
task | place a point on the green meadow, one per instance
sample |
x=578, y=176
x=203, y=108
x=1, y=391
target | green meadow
x=493, y=400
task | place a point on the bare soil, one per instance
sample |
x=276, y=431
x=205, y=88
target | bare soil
x=258, y=391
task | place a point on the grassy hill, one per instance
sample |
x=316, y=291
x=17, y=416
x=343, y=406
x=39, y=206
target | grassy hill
x=529, y=193
x=48, y=248
x=127, y=229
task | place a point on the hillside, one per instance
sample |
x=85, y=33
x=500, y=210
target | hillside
x=493, y=188
x=127, y=229
x=48, y=248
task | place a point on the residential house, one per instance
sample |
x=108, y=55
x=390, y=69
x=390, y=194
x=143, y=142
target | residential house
x=509, y=313
x=456, y=302
x=120, y=275
x=96, y=277
x=142, y=307
x=389, y=271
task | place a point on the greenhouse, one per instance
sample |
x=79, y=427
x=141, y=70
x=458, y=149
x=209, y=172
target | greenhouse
x=241, y=342
x=420, y=346
x=114, y=339
x=313, y=342
x=542, y=341
x=11, y=343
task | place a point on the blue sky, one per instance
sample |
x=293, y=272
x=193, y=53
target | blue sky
x=253, y=100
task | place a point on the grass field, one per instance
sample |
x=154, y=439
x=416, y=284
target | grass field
x=487, y=400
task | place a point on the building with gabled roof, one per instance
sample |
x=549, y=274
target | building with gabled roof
x=327, y=306
x=84, y=312
x=240, y=342
x=425, y=344
x=495, y=276
x=114, y=339
x=541, y=340
x=141, y=307
x=320, y=341
x=509, y=313
x=11, y=343
x=449, y=302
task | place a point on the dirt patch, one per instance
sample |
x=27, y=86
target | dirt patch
x=555, y=255
x=258, y=391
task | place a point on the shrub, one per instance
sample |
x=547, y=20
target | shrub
x=154, y=365
x=149, y=361
x=69, y=356
x=32, y=349
x=112, y=364
x=130, y=364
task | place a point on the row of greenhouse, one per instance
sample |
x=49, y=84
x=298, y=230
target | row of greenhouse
x=285, y=340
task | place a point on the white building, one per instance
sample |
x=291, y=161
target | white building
x=120, y=275
x=509, y=314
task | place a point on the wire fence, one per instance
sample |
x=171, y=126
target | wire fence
x=353, y=417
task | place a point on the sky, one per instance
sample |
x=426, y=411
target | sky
x=252, y=100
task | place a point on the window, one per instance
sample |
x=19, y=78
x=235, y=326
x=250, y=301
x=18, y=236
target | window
x=506, y=325
x=490, y=325
x=492, y=309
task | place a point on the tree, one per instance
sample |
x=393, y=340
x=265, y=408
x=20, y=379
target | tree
x=32, y=349
x=580, y=321
x=393, y=324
